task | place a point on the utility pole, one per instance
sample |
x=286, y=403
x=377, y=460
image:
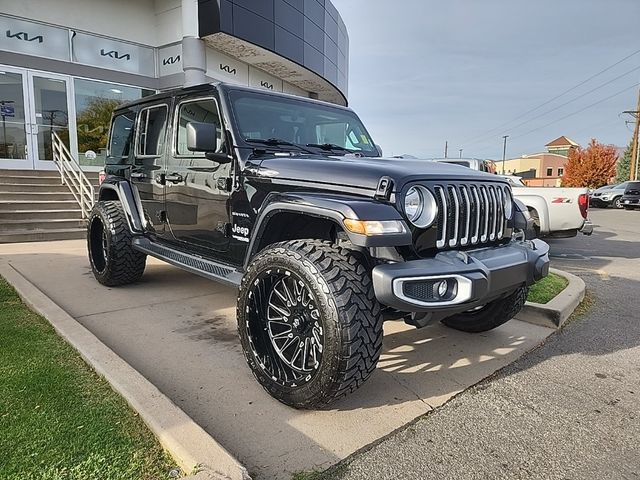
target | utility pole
x=635, y=151
x=446, y=148
x=504, y=151
x=460, y=153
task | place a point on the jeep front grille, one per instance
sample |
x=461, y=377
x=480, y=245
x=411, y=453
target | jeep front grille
x=469, y=214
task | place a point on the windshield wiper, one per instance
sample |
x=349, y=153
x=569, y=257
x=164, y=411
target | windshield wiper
x=277, y=142
x=330, y=146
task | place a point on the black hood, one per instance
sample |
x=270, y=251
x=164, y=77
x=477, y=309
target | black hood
x=363, y=172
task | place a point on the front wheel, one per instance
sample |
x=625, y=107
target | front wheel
x=491, y=315
x=309, y=322
x=617, y=203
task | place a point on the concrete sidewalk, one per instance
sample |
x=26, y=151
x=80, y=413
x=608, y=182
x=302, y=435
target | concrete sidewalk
x=179, y=331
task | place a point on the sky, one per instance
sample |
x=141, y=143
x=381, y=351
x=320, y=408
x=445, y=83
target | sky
x=423, y=72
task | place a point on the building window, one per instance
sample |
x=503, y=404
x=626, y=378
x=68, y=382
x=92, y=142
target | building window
x=560, y=172
x=95, y=102
x=549, y=172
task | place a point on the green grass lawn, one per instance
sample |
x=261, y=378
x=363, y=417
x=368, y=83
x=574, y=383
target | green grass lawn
x=547, y=288
x=58, y=419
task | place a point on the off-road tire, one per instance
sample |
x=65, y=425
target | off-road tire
x=492, y=315
x=351, y=319
x=115, y=262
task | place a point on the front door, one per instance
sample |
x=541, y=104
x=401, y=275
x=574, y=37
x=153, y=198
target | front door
x=196, y=188
x=32, y=105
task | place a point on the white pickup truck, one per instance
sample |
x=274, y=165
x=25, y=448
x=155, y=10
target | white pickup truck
x=557, y=212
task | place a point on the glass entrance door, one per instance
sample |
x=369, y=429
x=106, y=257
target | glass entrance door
x=50, y=112
x=32, y=105
x=14, y=115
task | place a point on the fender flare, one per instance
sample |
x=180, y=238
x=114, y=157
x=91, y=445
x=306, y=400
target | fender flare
x=331, y=207
x=130, y=201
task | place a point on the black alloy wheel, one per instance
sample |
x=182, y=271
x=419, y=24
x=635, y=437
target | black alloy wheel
x=286, y=334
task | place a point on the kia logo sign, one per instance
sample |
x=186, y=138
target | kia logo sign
x=115, y=54
x=171, y=60
x=266, y=84
x=228, y=69
x=25, y=36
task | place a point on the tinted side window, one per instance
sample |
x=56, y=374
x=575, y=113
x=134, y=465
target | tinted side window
x=121, y=136
x=203, y=111
x=152, y=125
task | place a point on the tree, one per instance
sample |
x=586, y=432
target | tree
x=592, y=167
x=623, y=169
x=93, y=123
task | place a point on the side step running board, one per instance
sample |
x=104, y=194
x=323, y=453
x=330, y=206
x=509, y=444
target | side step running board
x=192, y=263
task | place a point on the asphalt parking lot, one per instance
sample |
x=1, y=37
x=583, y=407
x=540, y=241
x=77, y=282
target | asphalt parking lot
x=567, y=410
x=179, y=331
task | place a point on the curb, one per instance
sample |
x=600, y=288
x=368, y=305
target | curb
x=194, y=450
x=554, y=313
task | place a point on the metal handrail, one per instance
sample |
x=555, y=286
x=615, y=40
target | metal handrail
x=72, y=176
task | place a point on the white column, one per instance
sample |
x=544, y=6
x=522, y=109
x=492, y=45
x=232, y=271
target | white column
x=194, y=62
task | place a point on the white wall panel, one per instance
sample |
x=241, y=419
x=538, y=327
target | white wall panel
x=124, y=19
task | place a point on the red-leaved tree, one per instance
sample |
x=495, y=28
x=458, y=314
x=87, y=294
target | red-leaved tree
x=592, y=167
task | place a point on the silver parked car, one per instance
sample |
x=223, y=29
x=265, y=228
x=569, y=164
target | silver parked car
x=609, y=195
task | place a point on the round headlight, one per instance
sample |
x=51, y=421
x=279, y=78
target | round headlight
x=420, y=206
x=413, y=204
x=508, y=204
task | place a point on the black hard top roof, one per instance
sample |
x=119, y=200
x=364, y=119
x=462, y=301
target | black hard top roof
x=207, y=87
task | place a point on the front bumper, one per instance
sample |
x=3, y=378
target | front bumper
x=473, y=277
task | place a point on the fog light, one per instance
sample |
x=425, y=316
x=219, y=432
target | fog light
x=442, y=288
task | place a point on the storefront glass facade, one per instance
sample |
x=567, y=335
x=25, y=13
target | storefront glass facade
x=94, y=102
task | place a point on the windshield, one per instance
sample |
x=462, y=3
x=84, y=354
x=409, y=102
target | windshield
x=280, y=121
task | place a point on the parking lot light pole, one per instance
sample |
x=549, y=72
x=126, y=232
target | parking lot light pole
x=504, y=151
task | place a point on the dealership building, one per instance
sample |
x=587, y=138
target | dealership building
x=65, y=64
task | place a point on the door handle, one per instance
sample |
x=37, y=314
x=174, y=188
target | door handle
x=173, y=178
x=138, y=175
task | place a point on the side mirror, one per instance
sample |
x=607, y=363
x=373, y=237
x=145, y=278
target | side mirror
x=203, y=137
x=379, y=148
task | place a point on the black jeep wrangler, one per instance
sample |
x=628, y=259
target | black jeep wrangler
x=289, y=200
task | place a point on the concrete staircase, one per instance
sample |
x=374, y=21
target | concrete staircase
x=35, y=207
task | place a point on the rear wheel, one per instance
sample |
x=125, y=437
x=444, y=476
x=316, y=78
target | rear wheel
x=491, y=315
x=309, y=323
x=113, y=259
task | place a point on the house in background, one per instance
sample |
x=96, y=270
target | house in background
x=541, y=169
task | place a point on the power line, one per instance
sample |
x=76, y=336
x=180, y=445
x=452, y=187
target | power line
x=576, y=98
x=493, y=130
x=579, y=111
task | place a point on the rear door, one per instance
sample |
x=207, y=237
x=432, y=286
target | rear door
x=148, y=165
x=197, y=190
